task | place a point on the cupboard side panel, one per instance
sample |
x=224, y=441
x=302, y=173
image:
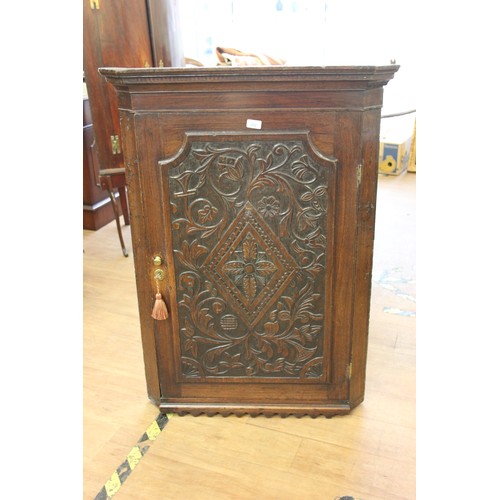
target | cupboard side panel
x=346, y=145
x=367, y=193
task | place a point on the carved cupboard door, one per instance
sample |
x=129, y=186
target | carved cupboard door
x=251, y=220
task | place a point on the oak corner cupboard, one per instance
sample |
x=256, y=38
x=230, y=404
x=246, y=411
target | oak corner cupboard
x=252, y=197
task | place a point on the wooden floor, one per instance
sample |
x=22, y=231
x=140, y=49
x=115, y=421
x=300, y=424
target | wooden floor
x=368, y=455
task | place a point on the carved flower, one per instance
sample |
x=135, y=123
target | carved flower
x=250, y=270
x=268, y=206
x=230, y=167
x=207, y=213
x=315, y=239
x=315, y=197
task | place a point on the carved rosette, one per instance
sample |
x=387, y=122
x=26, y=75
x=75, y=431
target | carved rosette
x=249, y=232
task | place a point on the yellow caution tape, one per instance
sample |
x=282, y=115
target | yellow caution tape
x=135, y=455
x=113, y=484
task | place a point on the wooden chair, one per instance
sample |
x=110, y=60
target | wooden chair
x=112, y=179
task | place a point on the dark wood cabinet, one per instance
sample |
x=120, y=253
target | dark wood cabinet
x=252, y=198
x=123, y=33
x=97, y=210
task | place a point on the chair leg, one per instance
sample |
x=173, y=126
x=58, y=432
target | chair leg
x=124, y=205
x=117, y=218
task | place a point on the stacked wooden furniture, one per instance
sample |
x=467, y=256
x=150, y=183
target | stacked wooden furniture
x=127, y=33
x=252, y=197
x=97, y=211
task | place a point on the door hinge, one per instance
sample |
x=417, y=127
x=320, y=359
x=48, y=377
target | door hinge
x=115, y=144
x=359, y=173
x=349, y=370
x=94, y=4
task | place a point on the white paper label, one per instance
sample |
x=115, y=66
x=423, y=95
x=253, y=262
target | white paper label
x=257, y=124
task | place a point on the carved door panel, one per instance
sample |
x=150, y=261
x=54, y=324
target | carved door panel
x=251, y=219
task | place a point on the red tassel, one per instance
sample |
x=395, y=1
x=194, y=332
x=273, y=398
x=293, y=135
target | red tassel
x=159, y=309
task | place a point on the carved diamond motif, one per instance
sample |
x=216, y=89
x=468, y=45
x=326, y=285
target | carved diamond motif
x=250, y=265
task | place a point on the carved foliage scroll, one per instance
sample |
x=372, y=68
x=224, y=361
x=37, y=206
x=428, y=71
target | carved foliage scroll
x=249, y=228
